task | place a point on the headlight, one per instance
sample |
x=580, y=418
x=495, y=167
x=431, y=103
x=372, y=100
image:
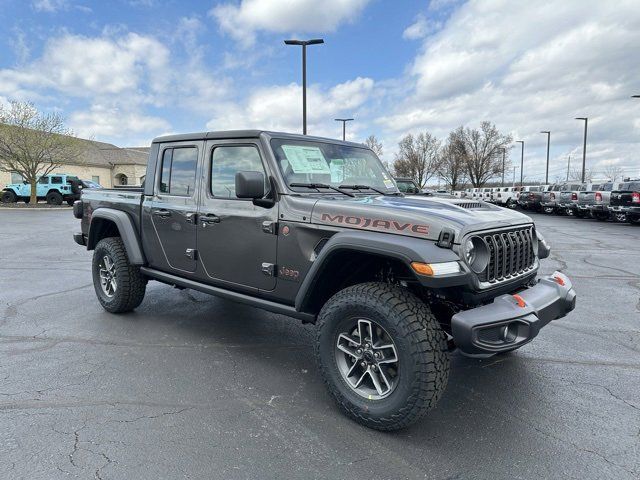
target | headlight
x=469, y=252
x=476, y=254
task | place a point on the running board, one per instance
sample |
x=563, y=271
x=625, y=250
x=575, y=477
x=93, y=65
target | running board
x=228, y=294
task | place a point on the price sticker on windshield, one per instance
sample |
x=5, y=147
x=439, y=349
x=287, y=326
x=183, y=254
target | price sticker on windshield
x=306, y=159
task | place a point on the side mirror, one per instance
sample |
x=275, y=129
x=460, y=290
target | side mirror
x=250, y=185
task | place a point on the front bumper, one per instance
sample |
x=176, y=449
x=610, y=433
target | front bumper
x=513, y=320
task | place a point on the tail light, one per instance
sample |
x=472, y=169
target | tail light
x=531, y=195
x=598, y=197
x=635, y=197
x=574, y=196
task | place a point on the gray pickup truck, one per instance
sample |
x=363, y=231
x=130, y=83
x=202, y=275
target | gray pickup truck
x=316, y=229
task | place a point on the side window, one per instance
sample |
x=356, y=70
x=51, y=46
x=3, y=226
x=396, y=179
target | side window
x=226, y=162
x=43, y=180
x=56, y=180
x=178, y=174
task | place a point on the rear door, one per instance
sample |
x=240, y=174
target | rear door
x=170, y=213
x=237, y=240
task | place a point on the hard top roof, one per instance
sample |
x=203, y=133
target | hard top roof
x=233, y=134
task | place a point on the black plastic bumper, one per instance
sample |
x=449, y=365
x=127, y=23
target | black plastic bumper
x=513, y=320
x=80, y=239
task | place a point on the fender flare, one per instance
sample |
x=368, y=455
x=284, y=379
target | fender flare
x=403, y=248
x=127, y=232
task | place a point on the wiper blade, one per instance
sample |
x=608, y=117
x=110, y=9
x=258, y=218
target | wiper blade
x=363, y=187
x=318, y=186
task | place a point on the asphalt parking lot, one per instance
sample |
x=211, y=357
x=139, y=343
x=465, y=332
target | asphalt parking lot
x=191, y=386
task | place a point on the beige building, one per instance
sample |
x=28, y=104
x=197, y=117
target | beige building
x=101, y=162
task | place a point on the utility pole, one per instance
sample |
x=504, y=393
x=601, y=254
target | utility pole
x=568, y=167
x=344, y=122
x=504, y=151
x=546, y=177
x=513, y=183
x=304, y=44
x=521, y=159
x=584, y=145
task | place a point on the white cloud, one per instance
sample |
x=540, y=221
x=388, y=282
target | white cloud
x=280, y=108
x=49, y=6
x=420, y=28
x=284, y=16
x=531, y=67
x=103, y=121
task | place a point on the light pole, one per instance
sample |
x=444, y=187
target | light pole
x=304, y=44
x=504, y=151
x=584, y=145
x=344, y=122
x=521, y=159
x=546, y=177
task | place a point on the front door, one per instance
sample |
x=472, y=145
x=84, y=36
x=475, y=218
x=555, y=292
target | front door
x=236, y=239
x=172, y=210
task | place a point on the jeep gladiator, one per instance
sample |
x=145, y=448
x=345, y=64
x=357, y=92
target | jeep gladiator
x=316, y=229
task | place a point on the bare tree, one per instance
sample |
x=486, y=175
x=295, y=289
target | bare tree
x=613, y=172
x=576, y=175
x=482, y=149
x=418, y=157
x=374, y=144
x=451, y=167
x=32, y=143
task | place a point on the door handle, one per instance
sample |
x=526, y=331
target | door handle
x=162, y=213
x=209, y=219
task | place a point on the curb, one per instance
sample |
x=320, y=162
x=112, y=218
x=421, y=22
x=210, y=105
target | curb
x=26, y=209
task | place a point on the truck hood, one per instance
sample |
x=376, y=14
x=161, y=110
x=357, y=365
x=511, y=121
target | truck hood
x=423, y=217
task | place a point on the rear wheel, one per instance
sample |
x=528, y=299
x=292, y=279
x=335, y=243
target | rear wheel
x=54, y=198
x=620, y=217
x=70, y=202
x=548, y=209
x=9, y=197
x=120, y=286
x=382, y=355
x=569, y=212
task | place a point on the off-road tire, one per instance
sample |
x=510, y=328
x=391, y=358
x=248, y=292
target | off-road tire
x=9, y=197
x=421, y=345
x=54, y=198
x=27, y=200
x=131, y=284
x=70, y=202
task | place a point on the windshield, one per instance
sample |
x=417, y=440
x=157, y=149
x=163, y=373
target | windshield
x=302, y=161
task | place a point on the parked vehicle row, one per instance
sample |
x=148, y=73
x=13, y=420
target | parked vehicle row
x=602, y=200
x=54, y=188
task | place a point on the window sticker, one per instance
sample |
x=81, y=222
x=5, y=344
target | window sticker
x=337, y=169
x=305, y=159
x=388, y=183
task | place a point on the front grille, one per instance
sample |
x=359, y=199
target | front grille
x=469, y=204
x=510, y=254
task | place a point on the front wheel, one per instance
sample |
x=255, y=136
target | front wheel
x=382, y=355
x=9, y=197
x=120, y=286
x=548, y=210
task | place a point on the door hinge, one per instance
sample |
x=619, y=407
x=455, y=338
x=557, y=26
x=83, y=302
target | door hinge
x=268, y=269
x=270, y=227
x=191, y=253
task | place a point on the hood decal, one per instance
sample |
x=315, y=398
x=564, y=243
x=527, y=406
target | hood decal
x=377, y=224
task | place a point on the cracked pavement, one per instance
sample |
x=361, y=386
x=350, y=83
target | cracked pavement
x=190, y=386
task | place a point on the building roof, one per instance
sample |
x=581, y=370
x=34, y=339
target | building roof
x=106, y=154
x=101, y=154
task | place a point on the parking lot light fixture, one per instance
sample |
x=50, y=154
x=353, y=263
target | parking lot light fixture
x=344, y=122
x=521, y=142
x=546, y=176
x=303, y=44
x=504, y=152
x=584, y=145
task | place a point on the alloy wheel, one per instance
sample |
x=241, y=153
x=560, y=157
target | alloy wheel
x=367, y=359
x=107, y=270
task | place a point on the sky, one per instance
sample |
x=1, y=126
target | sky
x=126, y=71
